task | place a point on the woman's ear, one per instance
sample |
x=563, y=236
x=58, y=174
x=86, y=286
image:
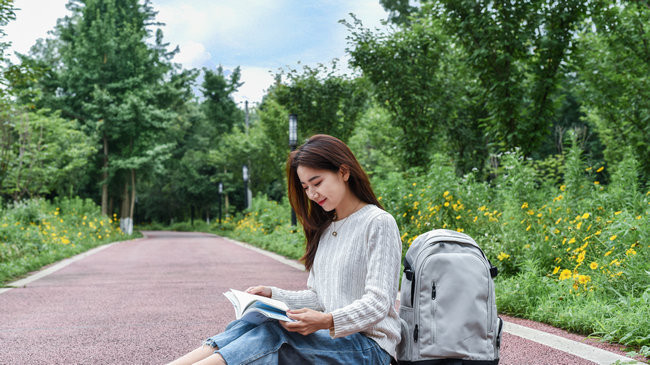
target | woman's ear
x=344, y=170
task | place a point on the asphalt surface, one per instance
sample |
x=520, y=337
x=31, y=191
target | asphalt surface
x=150, y=300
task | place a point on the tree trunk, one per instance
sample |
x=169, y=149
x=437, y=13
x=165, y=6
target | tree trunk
x=105, y=176
x=132, y=194
x=125, y=201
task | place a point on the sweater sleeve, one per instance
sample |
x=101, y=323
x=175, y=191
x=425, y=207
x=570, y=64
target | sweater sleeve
x=384, y=251
x=301, y=298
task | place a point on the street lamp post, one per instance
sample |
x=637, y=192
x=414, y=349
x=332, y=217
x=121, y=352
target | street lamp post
x=293, y=141
x=220, y=193
x=245, y=175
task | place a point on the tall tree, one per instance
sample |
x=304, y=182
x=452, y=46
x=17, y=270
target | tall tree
x=517, y=50
x=218, y=106
x=324, y=101
x=6, y=15
x=109, y=78
x=410, y=79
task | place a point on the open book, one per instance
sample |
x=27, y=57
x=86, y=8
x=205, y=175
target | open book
x=256, y=308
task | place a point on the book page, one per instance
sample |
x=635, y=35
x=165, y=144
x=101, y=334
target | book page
x=245, y=300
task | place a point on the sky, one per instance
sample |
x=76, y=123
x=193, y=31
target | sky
x=260, y=36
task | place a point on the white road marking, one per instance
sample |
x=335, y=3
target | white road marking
x=579, y=349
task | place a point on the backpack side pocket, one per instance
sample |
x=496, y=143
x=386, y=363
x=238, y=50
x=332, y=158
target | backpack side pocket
x=407, y=322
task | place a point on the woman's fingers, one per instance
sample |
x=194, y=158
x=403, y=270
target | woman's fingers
x=260, y=290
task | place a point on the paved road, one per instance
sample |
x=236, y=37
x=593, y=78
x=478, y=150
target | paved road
x=150, y=300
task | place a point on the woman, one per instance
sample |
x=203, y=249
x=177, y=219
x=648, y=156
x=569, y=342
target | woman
x=347, y=314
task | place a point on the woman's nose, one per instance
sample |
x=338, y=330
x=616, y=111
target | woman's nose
x=312, y=194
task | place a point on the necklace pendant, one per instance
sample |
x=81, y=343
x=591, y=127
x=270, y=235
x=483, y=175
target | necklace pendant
x=334, y=233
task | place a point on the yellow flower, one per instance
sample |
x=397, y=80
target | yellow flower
x=581, y=257
x=588, y=168
x=579, y=225
x=562, y=187
x=525, y=205
x=502, y=256
x=446, y=204
x=565, y=274
x=593, y=265
x=460, y=230
x=615, y=262
x=558, y=220
x=531, y=212
x=619, y=212
x=600, y=169
x=572, y=240
x=638, y=217
x=557, y=268
x=630, y=251
x=608, y=252
x=585, y=216
x=584, y=279
x=612, y=238
x=414, y=184
x=528, y=228
x=596, y=182
x=445, y=194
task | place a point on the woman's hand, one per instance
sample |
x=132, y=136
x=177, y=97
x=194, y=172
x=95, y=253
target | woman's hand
x=264, y=291
x=307, y=321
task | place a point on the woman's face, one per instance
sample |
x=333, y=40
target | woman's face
x=327, y=188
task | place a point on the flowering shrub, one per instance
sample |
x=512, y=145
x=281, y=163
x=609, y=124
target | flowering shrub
x=36, y=232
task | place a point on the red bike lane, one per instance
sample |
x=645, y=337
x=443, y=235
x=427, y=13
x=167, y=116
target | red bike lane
x=150, y=300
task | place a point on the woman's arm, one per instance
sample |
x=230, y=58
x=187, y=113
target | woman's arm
x=299, y=299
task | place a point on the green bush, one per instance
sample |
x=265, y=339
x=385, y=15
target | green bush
x=34, y=233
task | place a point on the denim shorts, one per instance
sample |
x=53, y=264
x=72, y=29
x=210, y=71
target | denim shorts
x=270, y=343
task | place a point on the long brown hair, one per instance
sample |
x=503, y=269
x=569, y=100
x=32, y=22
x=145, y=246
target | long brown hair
x=326, y=153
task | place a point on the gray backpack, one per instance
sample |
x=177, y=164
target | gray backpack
x=447, y=305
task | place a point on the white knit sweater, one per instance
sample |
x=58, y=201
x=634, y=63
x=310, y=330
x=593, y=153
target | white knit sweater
x=355, y=276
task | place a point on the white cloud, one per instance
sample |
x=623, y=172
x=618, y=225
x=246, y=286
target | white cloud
x=225, y=22
x=33, y=20
x=256, y=80
x=192, y=55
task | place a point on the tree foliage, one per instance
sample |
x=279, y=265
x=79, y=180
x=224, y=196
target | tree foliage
x=613, y=68
x=40, y=154
x=324, y=101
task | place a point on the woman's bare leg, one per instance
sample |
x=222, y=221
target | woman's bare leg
x=197, y=355
x=215, y=359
